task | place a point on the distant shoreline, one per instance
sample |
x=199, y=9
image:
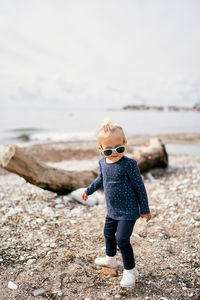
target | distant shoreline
x=88, y=149
x=196, y=107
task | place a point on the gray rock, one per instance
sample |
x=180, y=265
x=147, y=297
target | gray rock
x=80, y=261
x=60, y=294
x=39, y=292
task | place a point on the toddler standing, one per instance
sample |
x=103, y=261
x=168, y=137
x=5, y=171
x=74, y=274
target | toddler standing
x=126, y=199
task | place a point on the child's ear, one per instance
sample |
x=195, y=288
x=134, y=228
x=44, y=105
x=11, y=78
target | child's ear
x=100, y=148
x=125, y=141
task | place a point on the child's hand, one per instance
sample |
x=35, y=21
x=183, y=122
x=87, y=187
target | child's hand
x=147, y=216
x=84, y=196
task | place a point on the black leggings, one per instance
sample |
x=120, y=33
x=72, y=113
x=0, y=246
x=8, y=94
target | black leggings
x=118, y=232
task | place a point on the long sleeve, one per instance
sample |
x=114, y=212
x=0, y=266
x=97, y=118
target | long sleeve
x=138, y=186
x=96, y=184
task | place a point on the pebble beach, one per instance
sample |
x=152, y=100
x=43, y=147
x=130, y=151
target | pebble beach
x=49, y=242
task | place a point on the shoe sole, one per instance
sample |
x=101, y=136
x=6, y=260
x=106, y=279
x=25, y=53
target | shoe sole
x=108, y=266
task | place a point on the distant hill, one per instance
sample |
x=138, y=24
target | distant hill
x=196, y=107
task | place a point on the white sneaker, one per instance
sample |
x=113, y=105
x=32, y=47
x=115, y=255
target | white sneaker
x=107, y=261
x=129, y=277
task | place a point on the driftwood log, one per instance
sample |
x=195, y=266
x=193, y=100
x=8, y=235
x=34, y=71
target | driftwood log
x=19, y=161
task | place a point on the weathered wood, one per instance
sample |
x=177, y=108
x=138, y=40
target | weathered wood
x=154, y=155
x=20, y=161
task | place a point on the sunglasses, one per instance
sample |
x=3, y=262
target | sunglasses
x=109, y=152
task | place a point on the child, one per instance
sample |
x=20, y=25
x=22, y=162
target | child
x=126, y=199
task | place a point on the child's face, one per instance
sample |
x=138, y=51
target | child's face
x=112, y=141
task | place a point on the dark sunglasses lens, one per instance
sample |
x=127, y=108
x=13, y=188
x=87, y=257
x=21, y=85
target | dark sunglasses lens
x=120, y=149
x=107, y=152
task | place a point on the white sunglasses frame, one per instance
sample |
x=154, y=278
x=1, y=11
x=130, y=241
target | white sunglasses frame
x=113, y=150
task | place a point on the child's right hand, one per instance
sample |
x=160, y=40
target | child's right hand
x=84, y=196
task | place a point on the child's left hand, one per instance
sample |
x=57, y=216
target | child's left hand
x=147, y=216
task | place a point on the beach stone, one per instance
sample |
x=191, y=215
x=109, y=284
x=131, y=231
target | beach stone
x=68, y=255
x=77, y=212
x=109, y=271
x=77, y=196
x=39, y=292
x=40, y=221
x=80, y=261
x=14, y=211
x=12, y=285
x=58, y=200
x=66, y=199
x=6, y=246
x=31, y=261
x=53, y=245
x=60, y=206
x=48, y=212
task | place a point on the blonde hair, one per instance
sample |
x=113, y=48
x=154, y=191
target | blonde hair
x=109, y=127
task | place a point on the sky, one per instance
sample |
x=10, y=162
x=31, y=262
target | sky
x=99, y=53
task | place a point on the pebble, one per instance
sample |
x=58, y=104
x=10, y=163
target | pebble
x=53, y=245
x=12, y=285
x=52, y=204
x=60, y=206
x=40, y=221
x=72, y=221
x=14, y=211
x=48, y=212
x=39, y=292
x=58, y=200
x=118, y=296
x=109, y=271
x=6, y=246
x=80, y=261
x=77, y=212
x=31, y=261
x=66, y=199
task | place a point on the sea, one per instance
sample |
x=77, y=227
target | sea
x=46, y=125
